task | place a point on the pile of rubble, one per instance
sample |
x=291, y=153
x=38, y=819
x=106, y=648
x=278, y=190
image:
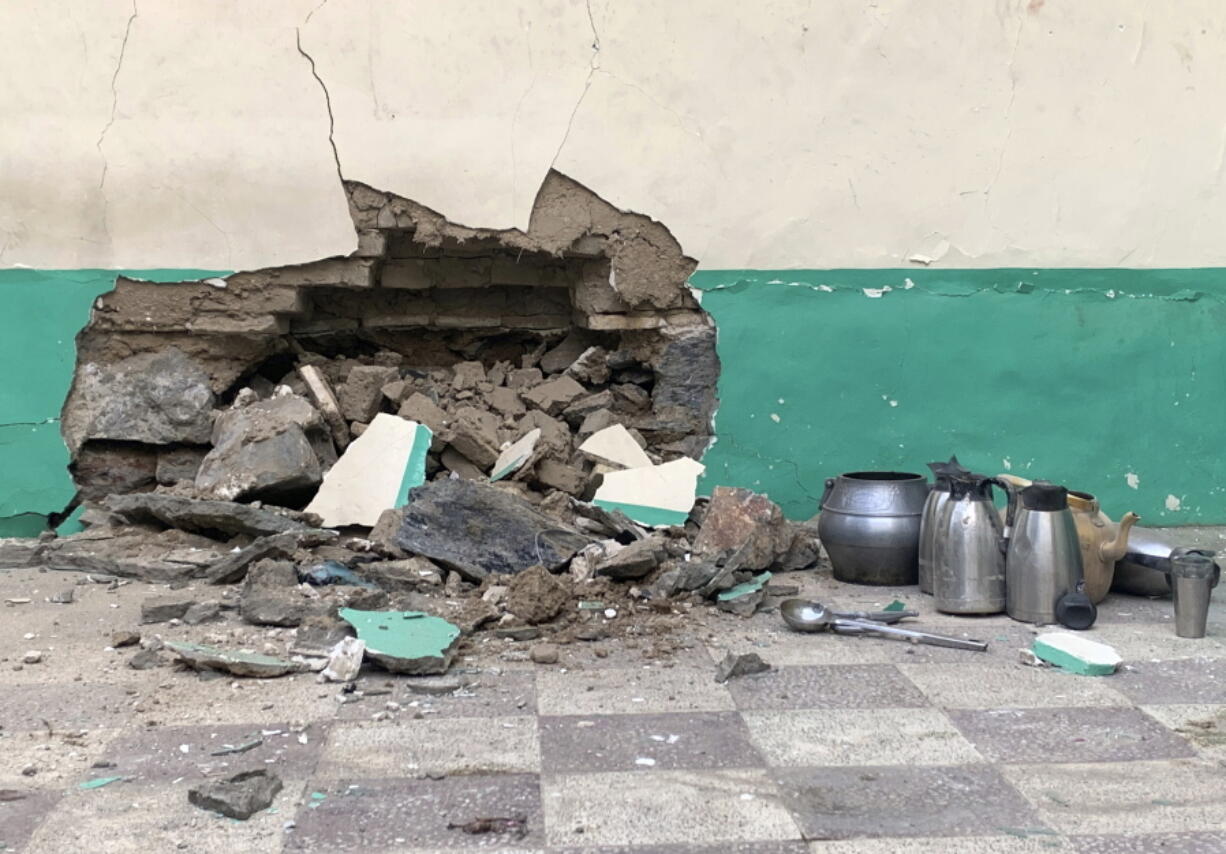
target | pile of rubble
x=462, y=561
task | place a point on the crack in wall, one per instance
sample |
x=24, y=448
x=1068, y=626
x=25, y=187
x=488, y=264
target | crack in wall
x=327, y=97
x=593, y=67
x=123, y=49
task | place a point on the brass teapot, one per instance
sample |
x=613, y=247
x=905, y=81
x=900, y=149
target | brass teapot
x=1103, y=542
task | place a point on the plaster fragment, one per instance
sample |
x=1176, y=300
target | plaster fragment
x=1173, y=503
x=1134, y=481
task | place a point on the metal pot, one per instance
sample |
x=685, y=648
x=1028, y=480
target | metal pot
x=1145, y=568
x=870, y=526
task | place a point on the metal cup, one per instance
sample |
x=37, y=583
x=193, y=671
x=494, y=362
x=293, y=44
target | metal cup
x=1191, y=582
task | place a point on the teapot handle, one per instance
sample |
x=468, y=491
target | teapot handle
x=1012, y=491
x=829, y=488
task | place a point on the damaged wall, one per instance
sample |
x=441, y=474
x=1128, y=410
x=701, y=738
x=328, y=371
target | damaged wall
x=956, y=135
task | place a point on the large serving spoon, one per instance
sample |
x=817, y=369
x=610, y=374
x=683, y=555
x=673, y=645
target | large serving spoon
x=805, y=616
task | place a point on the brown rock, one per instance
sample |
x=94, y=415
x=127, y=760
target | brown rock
x=555, y=439
x=634, y=561
x=468, y=375
x=595, y=422
x=423, y=410
x=570, y=348
x=743, y=521
x=805, y=548
x=101, y=468
x=524, y=378
x=176, y=464
x=536, y=596
x=507, y=401
x=454, y=461
x=555, y=395
x=122, y=639
x=474, y=433
x=561, y=476
x=592, y=366
x=384, y=531
x=585, y=406
x=544, y=653
x=362, y=392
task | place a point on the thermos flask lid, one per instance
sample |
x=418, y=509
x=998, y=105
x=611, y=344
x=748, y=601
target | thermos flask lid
x=1044, y=496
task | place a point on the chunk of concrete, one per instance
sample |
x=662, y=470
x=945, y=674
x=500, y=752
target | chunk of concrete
x=468, y=375
x=654, y=496
x=524, y=378
x=362, y=392
x=591, y=366
x=233, y=568
x=239, y=797
x=555, y=395
x=281, y=466
x=536, y=595
x=734, y=665
x=160, y=398
x=739, y=518
x=634, y=561
x=176, y=464
x=744, y=599
x=594, y=423
x=515, y=455
x=477, y=529
x=405, y=641
x=806, y=547
x=615, y=446
x=375, y=473
x=556, y=475
x=165, y=608
x=474, y=433
x=507, y=402
x=213, y=518
x=460, y=465
x=577, y=412
x=564, y=353
x=417, y=407
x=1076, y=654
x=236, y=662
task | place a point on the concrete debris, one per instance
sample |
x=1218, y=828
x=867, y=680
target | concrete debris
x=237, y=662
x=210, y=518
x=1076, y=654
x=536, y=596
x=478, y=529
x=233, y=568
x=544, y=653
x=515, y=455
x=374, y=474
x=745, y=664
x=405, y=641
x=320, y=392
x=805, y=549
x=744, y=599
x=121, y=639
x=474, y=433
x=32, y=656
x=202, y=612
x=164, y=609
x=238, y=797
x=614, y=445
x=64, y=597
x=739, y=518
x=146, y=659
x=553, y=396
x=634, y=561
x=654, y=496
x=344, y=661
x=362, y=392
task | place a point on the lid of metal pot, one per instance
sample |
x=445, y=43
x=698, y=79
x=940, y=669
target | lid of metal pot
x=943, y=473
x=1044, y=496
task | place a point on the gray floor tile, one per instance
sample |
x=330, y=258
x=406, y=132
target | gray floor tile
x=385, y=814
x=1183, y=681
x=1152, y=843
x=411, y=748
x=60, y=707
x=683, y=848
x=1093, y=734
x=845, y=803
x=19, y=818
x=641, y=742
x=169, y=753
x=485, y=694
x=827, y=687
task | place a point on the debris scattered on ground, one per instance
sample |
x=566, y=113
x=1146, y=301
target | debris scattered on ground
x=239, y=663
x=98, y=782
x=536, y=596
x=733, y=665
x=515, y=825
x=1076, y=654
x=239, y=797
x=146, y=659
x=230, y=749
x=744, y=599
x=544, y=653
x=405, y=641
x=344, y=661
x=165, y=609
x=64, y=597
x=32, y=656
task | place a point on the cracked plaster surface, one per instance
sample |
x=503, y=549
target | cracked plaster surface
x=1084, y=134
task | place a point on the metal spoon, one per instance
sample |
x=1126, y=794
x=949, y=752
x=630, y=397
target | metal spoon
x=801, y=609
x=805, y=616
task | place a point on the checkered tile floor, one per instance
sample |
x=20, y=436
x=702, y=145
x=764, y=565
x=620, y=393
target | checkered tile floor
x=849, y=745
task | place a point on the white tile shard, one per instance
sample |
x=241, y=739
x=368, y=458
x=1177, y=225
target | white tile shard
x=615, y=446
x=374, y=474
x=654, y=496
x=515, y=455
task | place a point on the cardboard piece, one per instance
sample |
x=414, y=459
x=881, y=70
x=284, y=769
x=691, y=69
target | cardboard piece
x=374, y=474
x=515, y=455
x=615, y=446
x=654, y=496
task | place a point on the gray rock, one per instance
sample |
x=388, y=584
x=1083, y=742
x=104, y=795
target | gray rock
x=201, y=657
x=569, y=349
x=362, y=392
x=233, y=568
x=176, y=464
x=805, y=548
x=734, y=665
x=164, y=609
x=101, y=468
x=152, y=556
x=474, y=433
x=262, y=451
x=17, y=552
x=402, y=576
x=202, y=612
x=555, y=395
x=267, y=607
x=634, y=561
x=477, y=529
x=240, y=797
x=383, y=534
x=121, y=639
x=687, y=372
x=146, y=659
x=544, y=653
x=221, y=519
x=159, y=398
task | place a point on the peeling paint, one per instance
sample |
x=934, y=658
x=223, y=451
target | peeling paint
x=1173, y=503
x=1133, y=480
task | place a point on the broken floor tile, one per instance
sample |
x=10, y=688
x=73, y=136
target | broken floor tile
x=375, y=473
x=653, y=495
x=405, y=641
x=515, y=455
x=240, y=797
x=201, y=657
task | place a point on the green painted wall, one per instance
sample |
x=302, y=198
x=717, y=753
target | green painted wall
x=1082, y=376
x=1110, y=381
x=41, y=312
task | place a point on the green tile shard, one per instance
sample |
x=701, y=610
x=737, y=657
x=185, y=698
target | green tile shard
x=406, y=641
x=1076, y=654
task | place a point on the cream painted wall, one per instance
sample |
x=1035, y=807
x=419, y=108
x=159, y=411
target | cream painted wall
x=771, y=134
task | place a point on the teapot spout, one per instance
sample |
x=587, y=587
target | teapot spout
x=1114, y=550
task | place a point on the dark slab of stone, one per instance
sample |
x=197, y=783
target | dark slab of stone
x=477, y=529
x=233, y=568
x=213, y=518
